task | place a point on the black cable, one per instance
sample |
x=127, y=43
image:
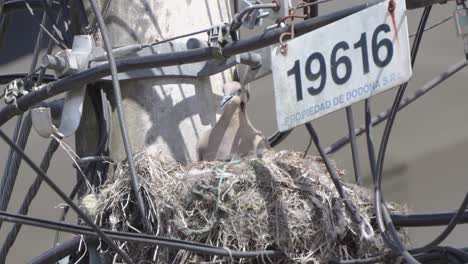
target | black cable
x=275, y=139
x=373, y=165
x=72, y=204
x=121, y=116
x=354, y=147
x=434, y=25
x=30, y=195
x=14, y=162
x=369, y=260
x=2, y=2
x=50, y=46
x=239, y=17
x=376, y=120
x=355, y=216
x=425, y=220
x=18, y=5
x=440, y=254
x=6, y=78
x=236, y=6
x=89, y=159
x=48, y=13
x=383, y=218
x=37, y=47
x=168, y=59
x=59, y=252
x=179, y=37
x=66, y=209
x=66, y=23
x=102, y=148
x=42, y=26
x=138, y=238
x=8, y=181
x=447, y=231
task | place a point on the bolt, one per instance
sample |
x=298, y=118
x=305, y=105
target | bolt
x=54, y=62
x=278, y=6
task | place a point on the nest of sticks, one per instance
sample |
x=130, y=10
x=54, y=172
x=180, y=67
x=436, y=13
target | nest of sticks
x=280, y=201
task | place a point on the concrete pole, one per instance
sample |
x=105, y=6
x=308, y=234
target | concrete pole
x=163, y=115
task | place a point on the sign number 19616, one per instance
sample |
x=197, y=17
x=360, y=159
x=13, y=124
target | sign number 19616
x=337, y=60
x=342, y=63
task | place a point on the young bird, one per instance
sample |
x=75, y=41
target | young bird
x=233, y=135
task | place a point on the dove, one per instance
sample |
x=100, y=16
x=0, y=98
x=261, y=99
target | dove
x=233, y=136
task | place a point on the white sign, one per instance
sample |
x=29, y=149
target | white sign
x=344, y=62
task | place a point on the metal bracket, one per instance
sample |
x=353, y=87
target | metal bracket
x=217, y=38
x=255, y=18
x=13, y=90
x=64, y=63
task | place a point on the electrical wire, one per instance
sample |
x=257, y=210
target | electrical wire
x=373, y=165
x=239, y=17
x=102, y=149
x=168, y=59
x=60, y=251
x=48, y=13
x=14, y=162
x=382, y=216
x=355, y=216
x=6, y=78
x=354, y=147
x=121, y=116
x=313, y=3
x=178, y=37
x=397, y=110
x=378, y=119
x=447, y=231
x=70, y=202
x=425, y=220
x=278, y=137
x=138, y=238
x=51, y=36
x=30, y=195
x=2, y=2
x=434, y=25
x=18, y=5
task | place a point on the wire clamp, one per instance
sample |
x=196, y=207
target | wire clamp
x=14, y=90
x=255, y=17
x=218, y=38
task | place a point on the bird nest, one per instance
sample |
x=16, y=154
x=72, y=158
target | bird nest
x=280, y=201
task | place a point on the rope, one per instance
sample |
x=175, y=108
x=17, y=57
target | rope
x=31, y=194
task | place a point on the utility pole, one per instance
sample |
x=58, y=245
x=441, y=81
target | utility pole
x=164, y=114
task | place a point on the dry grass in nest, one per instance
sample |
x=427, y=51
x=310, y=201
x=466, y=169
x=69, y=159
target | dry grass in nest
x=280, y=201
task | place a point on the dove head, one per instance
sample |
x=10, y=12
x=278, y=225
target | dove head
x=234, y=96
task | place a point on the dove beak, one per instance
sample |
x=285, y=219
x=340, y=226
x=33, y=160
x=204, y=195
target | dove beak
x=225, y=100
